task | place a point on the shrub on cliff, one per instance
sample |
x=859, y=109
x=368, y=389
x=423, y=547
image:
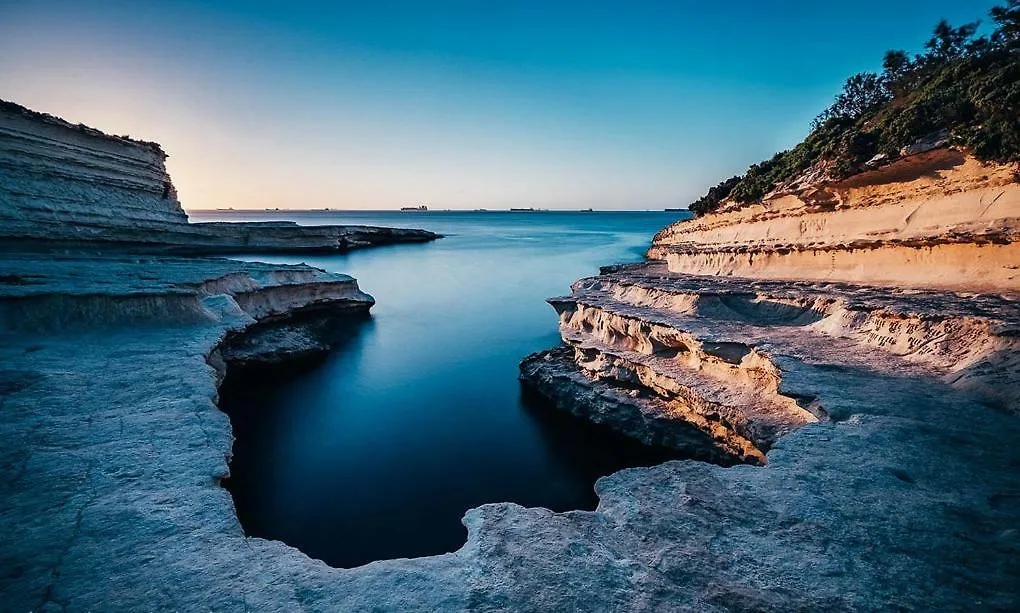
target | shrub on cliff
x=714, y=196
x=963, y=86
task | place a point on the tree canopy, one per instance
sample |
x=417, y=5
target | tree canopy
x=963, y=86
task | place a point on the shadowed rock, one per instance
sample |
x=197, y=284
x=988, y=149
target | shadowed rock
x=889, y=478
x=65, y=185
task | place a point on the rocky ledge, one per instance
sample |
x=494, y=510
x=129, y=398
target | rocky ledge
x=65, y=185
x=899, y=491
x=936, y=219
x=738, y=363
x=866, y=431
x=854, y=343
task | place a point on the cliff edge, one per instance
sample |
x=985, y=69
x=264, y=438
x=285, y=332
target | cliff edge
x=836, y=335
x=65, y=185
x=935, y=219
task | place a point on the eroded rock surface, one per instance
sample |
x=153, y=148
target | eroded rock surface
x=852, y=340
x=903, y=496
x=937, y=219
x=70, y=185
x=884, y=473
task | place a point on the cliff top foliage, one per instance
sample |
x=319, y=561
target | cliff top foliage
x=962, y=87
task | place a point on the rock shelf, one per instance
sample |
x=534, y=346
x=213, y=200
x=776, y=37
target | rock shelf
x=859, y=437
x=856, y=341
x=66, y=185
x=902, y=495
x=939, y=219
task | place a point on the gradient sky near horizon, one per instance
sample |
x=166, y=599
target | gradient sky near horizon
x=454, y=103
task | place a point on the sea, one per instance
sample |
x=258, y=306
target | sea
x=376, y=451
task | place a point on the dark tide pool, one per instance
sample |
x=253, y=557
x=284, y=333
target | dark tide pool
x=377, y=451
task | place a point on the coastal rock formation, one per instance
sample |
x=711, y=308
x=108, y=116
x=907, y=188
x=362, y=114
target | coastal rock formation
x=743, y=360
x=848, y=337
x=56, y=173
x=70, y=185
x=900, y=496
x=936, y=219
x=883, y=477
x=83, y=292
x=694, y=338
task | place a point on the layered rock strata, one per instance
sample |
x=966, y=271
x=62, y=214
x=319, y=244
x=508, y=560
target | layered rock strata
x=846, y=337
x=695, y=338
x=901, y=495
x=69, y=185
x=741, y=360
x=99, y=292
x=937, y=219
x=889, y=481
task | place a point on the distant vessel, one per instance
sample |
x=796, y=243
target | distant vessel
x=414, y=208
x=522, y=210
x=587, y=211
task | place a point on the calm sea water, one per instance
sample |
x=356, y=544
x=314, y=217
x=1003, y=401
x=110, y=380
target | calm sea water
x=379, y=450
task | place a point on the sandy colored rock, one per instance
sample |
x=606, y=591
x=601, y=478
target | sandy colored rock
x=887, y=480
x=937, y=219
x=848, y=337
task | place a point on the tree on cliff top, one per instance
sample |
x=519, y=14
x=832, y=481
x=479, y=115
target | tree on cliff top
x=963, y=86
x=862, y=94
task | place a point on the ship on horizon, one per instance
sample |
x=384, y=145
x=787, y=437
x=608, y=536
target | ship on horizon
x=414, y=208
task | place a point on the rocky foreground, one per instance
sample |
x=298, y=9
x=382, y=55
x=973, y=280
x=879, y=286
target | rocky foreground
x=858, y=343
x=899, y=491
x=858, y=436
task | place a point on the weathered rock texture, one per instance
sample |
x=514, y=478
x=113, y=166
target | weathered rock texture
x=64, y=184
x=678, y=351
x=889, y=478
x=936, y=219
x=863, y=404
x=900, y=495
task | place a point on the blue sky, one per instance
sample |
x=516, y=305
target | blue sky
x=458, y=104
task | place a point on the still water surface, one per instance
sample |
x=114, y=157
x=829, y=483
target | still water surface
x=377, y=451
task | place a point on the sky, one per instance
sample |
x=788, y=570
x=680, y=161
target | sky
x=461, y=104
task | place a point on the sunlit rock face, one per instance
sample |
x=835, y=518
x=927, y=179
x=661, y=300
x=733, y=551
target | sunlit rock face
x=70, y=185
x=694, y=337
x=731, y=357
x=937, y=219
x=861, y=456
x=843, y=338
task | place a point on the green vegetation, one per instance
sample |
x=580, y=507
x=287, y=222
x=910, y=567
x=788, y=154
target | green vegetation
x=963, y=87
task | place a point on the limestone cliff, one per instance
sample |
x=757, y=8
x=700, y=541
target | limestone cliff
x=110, y=355
x=842, y=335
x=73, y=179
x=71, y=185
x=935, y=219
x=883, y=475
x=689, y=338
